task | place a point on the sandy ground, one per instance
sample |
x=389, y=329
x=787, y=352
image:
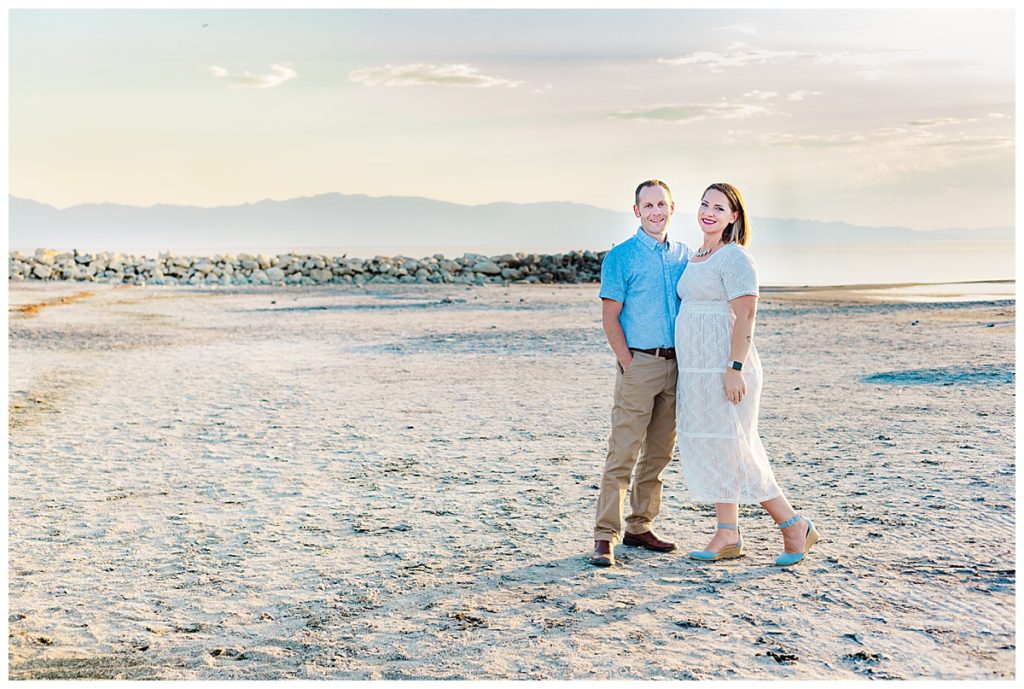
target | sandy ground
x=400, y=484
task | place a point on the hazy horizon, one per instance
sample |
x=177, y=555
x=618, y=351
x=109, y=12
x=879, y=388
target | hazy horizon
x=680, y=211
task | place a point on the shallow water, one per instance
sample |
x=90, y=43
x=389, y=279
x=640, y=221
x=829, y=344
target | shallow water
x=954, y=375
x=945, y=292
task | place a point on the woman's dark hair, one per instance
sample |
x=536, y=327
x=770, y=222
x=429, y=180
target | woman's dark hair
x=738, y=231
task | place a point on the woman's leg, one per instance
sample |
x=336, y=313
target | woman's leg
x=795, y=536
x=728, y=513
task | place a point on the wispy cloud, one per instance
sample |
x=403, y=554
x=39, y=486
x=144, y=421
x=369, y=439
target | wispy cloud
x=738, y=56
x=932, y=122
x=693, y=112
x=914, y=145
x=889, y=154
x=760, y=95
x=741, y=55
x=278, y=75
x=800, y=95
x=428, y=75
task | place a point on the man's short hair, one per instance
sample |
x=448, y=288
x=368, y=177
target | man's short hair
x=652, y=183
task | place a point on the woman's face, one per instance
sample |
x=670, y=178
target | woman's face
x=714, y=214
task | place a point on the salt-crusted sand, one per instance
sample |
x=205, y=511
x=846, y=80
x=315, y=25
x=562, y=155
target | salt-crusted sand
x=400, y=483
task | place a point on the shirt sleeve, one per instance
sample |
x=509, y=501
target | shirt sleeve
x=740, y=274
x=613, y=277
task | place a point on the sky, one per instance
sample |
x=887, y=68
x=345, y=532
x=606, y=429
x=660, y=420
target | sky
x=872, y=117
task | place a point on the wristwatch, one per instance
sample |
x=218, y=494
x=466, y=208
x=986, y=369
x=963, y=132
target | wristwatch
x=736, y=366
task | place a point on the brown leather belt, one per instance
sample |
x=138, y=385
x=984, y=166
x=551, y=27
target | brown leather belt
x=663, y=352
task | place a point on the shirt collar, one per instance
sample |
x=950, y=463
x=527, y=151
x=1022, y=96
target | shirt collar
x=649, y=241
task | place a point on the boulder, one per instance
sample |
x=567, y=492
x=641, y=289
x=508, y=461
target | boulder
x=487, y=268
x=318, y=275
x=46, y=257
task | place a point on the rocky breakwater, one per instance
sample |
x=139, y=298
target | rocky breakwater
x=304, y=269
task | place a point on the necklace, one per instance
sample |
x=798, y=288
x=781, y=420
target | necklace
x=705, y=252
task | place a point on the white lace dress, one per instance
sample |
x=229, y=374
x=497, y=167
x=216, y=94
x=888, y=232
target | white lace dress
x=721, y=453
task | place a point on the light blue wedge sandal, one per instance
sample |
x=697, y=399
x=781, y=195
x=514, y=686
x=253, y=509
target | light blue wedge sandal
x=787, y=559
x=725, y=553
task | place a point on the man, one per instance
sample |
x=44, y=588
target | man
x=638, y=311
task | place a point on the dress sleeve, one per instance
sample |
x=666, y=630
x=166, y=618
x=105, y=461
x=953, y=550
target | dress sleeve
x=740, y=274
x=613, y=277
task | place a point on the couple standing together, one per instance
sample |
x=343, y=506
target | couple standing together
x=681, y=325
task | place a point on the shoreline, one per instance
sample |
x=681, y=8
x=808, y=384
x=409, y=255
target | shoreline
x=852, y=294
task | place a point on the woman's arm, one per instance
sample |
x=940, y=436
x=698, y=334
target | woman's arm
x=744, y=308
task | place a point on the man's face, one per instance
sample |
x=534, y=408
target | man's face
x=654, y=210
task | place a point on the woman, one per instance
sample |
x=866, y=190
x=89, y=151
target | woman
x=719, y=387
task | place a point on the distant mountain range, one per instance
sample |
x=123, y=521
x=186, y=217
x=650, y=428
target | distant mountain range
x=348, y=222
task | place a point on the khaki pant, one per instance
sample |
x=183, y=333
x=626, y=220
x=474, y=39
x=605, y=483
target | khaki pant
x=643, y=435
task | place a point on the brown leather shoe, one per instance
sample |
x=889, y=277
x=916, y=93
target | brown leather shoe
x=603, y=555
x=648, y=540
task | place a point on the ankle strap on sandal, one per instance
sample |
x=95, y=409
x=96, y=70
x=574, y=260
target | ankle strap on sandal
x=723, y=525
x=790, y=522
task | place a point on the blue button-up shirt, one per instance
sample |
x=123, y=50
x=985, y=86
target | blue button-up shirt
x=643, y=273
